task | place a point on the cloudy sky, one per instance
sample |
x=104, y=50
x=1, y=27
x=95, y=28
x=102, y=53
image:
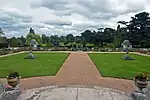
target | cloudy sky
x=61, y=17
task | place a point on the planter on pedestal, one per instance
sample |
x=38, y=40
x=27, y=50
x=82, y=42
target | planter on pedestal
x=13, y=79
x=141, y=81
x=140, y=84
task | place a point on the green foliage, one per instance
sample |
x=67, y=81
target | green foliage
x=89, y=45
x=29, y=37
x=33, y=36
x=3, y=39
x=62, y=44
x=3, y=42
x=139, y=29
x=141, y=76
x=45, y=39
x=99, y=38
x=1, y=32
x=110, y=46
x=14, y=42
x=70, y=38
x=47, y=45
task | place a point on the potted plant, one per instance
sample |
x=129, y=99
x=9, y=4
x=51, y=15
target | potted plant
x=13, y=79
x=141, y=80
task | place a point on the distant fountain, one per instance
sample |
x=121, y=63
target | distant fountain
x=126, y=47
x=33, y=46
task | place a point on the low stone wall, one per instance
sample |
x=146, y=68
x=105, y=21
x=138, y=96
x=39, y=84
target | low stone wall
x=73, y=93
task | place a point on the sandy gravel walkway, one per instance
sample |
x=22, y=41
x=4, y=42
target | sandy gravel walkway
x=12, y=54
x=78, y=69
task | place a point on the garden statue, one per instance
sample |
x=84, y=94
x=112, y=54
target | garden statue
x=30, y=56
x=33, y=46
x=126, y=47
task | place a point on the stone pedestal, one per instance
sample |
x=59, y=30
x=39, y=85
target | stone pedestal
x=127, y=57
x=30, y=56
x=144, y=95
x=9, y=93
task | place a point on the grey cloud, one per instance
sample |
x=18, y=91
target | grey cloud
x=11, y=21
x=58, y=22
x=95, y=5
x=51, y=4
x=28, y=20
x=84, y=26
x=62, y=13
x=11, y=15
x=5, y=25
x=95, y=9
x=13, y=27
x=6, y=18
x=37, y=25
x=21, y=25
x=16, y=33
x=134, y=7
x=85, y=8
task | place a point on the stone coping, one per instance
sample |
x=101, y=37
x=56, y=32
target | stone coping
x=74, y=92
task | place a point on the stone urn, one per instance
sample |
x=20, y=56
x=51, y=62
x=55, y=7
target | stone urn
x=140, y=84
x=13, y=81
x=141, y=81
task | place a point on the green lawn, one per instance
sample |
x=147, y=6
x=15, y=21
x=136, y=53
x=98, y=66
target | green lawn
x=47, y=64
x=111, y=65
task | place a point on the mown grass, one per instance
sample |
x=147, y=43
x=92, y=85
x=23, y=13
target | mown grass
x=111, y=65
x=47, y=64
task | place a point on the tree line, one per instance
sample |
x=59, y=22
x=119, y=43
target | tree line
x=137, y=31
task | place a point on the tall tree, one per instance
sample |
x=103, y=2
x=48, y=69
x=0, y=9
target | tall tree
x=87, y=35
x=1, y=32
x=78, y=39
x=31, y=31
x=63, y=39
x=139, y=29
x=44, y=39
x=32, y=35
x=54, y=39
x=70, y=38
x=14, y=42
x=22, y=41
x=3, y=40
x=120, y=35
x=108, y=35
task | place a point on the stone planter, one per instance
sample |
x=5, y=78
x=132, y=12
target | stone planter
x=13, y=81
x=140, y=84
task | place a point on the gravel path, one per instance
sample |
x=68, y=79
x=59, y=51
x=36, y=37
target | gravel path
x=12, y=54
x=78, y=69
